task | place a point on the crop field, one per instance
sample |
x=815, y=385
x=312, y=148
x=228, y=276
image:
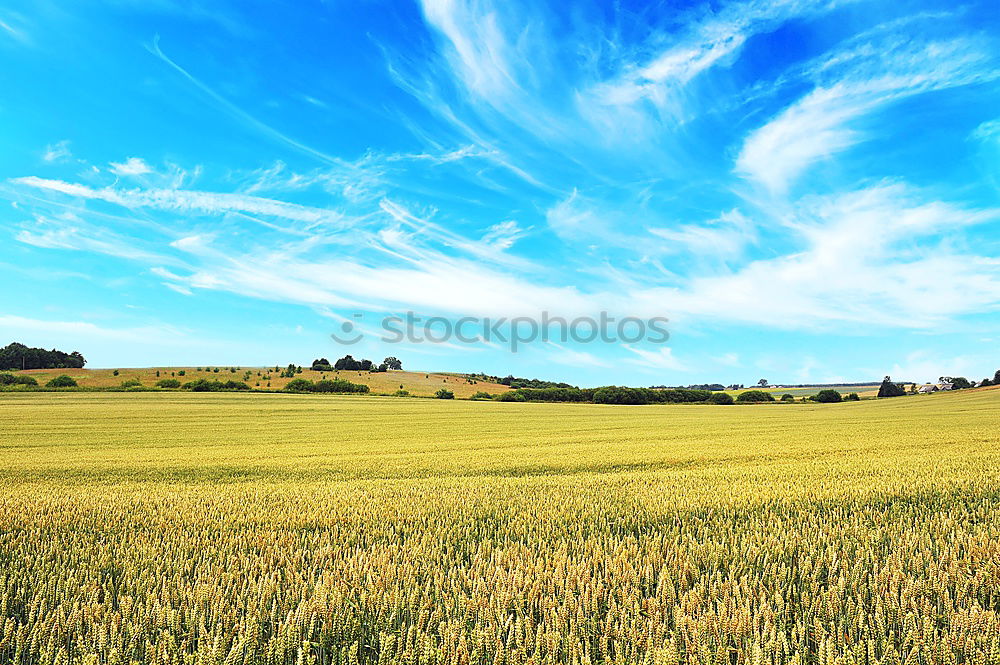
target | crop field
x=270, y=528
x=421, y=384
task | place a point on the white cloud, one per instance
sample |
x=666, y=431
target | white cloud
x=57, y=152
x=872, y=257
x=661, y=358
x=178, y=288
x=193, y=243
x=563, y=356
x=853, y=83
x=503, y=235
x=726, y=236
x=479, y=50
x=988, y=131
x=11, y=24
x=190, y=201
x=70, y=233
x=132, y=166
x=806, y=132
x=729, y=360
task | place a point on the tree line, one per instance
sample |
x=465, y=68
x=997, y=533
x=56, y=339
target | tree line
x=362, y=365
x=18, y=356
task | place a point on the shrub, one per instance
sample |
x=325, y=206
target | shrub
x=402, y=393
x=829, y=396
x=168, y=383
x=61, y=381
x=181, y=372
x=721, y=398
x=444, y=393
x=204, y=385
x=326, y=386
x=201, y=385
x=131, y=383
x=299, y=386
x=755, y=397
x=337, y=386
x=852, y=397
x=788, y=397
x=17, y=380
x=482, y=395
x=115, y=373
x=511, y=396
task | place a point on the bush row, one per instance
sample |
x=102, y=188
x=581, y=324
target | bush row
x=206, y=386
x=625, y=395
x=324, y=386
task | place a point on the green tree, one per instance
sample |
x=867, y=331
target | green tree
x=321, y=365
x=890, y=389
x=444, y=393
x=393, y=362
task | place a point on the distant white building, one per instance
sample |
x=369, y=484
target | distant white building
x=945, y=386
x=927, y=388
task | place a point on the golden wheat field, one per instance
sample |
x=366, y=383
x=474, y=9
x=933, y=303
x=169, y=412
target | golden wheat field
x=269, y=528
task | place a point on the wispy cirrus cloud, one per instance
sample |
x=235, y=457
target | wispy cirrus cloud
x=876, y=256
x=726, y=236
x=132, y=166
x=57, y=152
x=14, y=26
x=189, y=201
x=852, y=83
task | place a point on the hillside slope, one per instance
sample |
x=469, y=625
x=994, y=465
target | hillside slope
x=264, y=378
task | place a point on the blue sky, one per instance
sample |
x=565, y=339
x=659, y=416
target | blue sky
x=808, y=190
